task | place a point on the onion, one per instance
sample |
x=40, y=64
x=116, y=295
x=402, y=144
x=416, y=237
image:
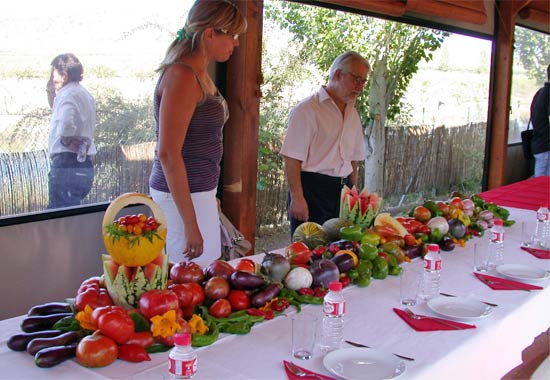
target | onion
x=298, y=278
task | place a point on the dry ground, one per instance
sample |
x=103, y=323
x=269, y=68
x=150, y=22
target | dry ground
x=271, y=238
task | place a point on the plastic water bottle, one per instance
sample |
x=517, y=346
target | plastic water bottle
x=82, y=151
x=496, y=245
x=334, y=308
x=542, y=231
x=182, y=359
x=432, y=273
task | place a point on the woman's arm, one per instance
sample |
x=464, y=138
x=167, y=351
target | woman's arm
x=180, y=94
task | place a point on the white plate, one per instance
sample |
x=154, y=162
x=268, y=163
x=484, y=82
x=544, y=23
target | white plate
x=522, y=272
x=363, y=364
x=459, y=307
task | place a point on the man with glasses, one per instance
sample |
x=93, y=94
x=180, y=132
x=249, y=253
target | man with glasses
x=324, y=142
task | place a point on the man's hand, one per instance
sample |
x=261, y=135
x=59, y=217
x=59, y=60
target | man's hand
x=299, y=209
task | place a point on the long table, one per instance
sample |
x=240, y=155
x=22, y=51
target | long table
x=486, y=352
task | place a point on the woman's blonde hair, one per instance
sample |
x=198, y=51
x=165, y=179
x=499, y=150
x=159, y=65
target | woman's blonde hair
x=216, y=14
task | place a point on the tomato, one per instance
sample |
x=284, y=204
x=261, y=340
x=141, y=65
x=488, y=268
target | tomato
x=92, y=295
x=185, y=297
x=116, y=324
x=142, y=218
x=219, y=268
x=422, y=213
x=198, y=293
x=239, y=300
x=220, y=308
x=298, y=253
x=246, y=265
x=384, y=255
x=133, y=353
x=142, y=338
x=186, y=271
x=96, y=350
x=216, y=288
x=456, y=202
x=410, y=240
x=98, y=312
x=157, y=302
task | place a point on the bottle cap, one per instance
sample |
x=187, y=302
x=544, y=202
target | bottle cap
x=182, y=339
x=335, y=286
x=433, y=247
x=497, y=222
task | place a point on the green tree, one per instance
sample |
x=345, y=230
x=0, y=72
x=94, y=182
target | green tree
x=394, y=51
x=533, y=51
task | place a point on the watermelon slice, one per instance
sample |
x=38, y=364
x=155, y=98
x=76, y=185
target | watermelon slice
x=360, y=208
x=126, y=284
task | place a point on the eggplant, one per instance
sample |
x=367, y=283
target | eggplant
x=412, y=251
x=324, y=272
x=19, y=342
x=261, y=298
x=275, y=266
x=48, y=357
x=64, y=339
x=50, y=308
x=242, y=280
x=41, y=322
x=344, y=262
x=446, y=244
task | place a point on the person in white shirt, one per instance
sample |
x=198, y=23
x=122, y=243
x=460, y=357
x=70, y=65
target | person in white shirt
x=324, y=142
x=72, y=128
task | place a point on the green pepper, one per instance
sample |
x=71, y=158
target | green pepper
x=239, y=328
x=392, y=261
x=362, y=281
x=367, y=251
x=421, y=236
x=432, y=206
x=351, y=233
x=364, y=267
x=380, y=268
x=68, y=323
x=352, y=273
x=198, y=340
x=140, y=323
x=436, y=235
x=157, y=347
x=395, y=271
x=478, y=201
x=370, y=238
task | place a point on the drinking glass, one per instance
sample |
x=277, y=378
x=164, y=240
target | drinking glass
x=409, y=285
x=481, y=257
x=304, y=330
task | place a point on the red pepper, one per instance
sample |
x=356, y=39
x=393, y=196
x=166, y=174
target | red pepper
x=279, y=304
x=269, y=315
x=306, y=291
x=255, y=312
x=133, y=353
x=345, y=281
x=319, y=251
x=318, y=292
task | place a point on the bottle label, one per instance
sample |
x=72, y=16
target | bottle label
x=432, y=264
x=542, y=217
x=185, y=368
x=334, y=308
x=497, y=237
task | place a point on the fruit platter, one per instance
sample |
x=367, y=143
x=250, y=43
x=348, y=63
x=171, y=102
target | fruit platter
x=134, y=309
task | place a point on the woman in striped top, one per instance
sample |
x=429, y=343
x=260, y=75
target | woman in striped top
x=190, y=114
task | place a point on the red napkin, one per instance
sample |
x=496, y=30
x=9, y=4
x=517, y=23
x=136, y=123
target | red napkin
x=538, y=253
x=504, y=284
x=314, y=375
x=430, y=323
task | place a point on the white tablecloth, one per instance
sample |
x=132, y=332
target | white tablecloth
x=486, y=352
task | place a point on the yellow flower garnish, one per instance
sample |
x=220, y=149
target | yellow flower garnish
x=197, y=325
x=84, y=318
x=267, y=306
x=165, y=325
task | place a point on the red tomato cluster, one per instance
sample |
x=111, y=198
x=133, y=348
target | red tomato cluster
x=90, y=293
x=136, y=224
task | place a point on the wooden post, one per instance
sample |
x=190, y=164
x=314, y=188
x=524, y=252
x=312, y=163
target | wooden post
x=497, y=137
x=240, y=166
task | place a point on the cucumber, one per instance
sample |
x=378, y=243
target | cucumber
x=64, y=339
x=50, y=356
x=50, y=308
x=41, y=322
x=19, y=342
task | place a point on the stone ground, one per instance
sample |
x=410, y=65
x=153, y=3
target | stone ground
x=271, y=238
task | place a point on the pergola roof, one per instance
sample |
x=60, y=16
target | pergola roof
x=493, y=18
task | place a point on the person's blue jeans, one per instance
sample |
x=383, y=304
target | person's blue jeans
x=69, y=181
x=542, y=164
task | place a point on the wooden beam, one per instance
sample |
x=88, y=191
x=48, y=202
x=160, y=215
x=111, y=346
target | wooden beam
x=497, y=138
x=387, y=7
x=448, y=10
x=240, y=164
x=535, y=15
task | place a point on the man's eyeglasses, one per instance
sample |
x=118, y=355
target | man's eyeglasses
x=356, y=78
x=225, y=31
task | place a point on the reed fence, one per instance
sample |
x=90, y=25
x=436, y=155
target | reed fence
x=416, y=159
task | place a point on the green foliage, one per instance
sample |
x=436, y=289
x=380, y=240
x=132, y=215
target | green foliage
x=393, y=49
x=101, y=71
x=533, y=51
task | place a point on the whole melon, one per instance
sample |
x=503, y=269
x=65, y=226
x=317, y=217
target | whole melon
x=311, y=234
x=332, y=227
